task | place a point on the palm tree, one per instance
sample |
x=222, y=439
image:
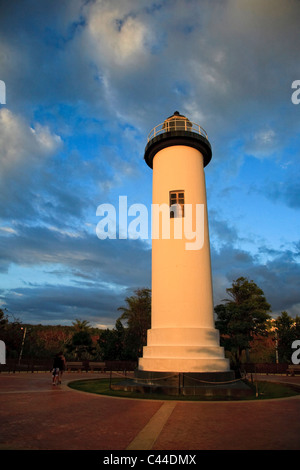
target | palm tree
x=81, y=343
x=81, y=325
x=137, y=314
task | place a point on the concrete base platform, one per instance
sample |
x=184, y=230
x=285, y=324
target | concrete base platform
x=212, y=385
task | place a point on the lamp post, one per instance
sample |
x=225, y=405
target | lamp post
x=23, y=341
x=276, y=345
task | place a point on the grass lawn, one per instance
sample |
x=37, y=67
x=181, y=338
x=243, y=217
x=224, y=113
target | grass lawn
x=266, y=390
x=275, y=390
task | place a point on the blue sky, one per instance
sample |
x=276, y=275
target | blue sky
x=86, y=81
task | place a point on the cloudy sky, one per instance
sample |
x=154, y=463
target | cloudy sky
x=86, y=81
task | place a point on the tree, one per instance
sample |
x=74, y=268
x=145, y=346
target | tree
x=3, y=320
x=263, y=348
x=48, y=340
x=81, y=343
x=242, y=317
x=111, y=343
x=288, y=330
x=137, y=316
x=296, y=327
x=81, y=325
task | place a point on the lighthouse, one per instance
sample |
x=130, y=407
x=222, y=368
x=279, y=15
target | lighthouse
x=182, y=338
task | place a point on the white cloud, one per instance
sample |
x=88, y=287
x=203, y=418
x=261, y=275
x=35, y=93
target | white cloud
x=119, y=37
x=25, y=156
x=262, y=144
x=48, y=143
x=8, y=230
x=66, y=233
x=21, y=145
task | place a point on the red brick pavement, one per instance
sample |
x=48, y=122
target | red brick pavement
x=36, y=415
x=233, y=426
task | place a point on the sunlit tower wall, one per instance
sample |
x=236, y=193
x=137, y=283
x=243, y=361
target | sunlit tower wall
x=182, y=337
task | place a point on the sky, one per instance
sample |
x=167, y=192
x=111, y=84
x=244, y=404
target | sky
x=85, y=82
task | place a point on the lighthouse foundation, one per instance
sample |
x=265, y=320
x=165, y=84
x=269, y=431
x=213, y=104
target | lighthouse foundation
x=183, y=350
x=202, y=385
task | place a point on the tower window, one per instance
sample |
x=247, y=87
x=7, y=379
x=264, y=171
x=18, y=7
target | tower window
x=176, y=204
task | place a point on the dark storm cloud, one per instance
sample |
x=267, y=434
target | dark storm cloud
x=287, y=192
x=38, y=63
x=63, y=304
x=123, y=262
x=278, y=276
x=100, y=275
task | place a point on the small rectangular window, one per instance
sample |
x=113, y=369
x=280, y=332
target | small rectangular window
x=176, y=204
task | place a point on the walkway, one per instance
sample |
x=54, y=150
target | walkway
x=36, y=415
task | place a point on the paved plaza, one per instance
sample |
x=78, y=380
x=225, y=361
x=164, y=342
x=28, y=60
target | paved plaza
x=35, y=415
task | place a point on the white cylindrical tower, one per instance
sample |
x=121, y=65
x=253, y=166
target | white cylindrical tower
x=182, y=337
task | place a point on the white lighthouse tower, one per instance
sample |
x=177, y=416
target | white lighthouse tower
x=182, y=337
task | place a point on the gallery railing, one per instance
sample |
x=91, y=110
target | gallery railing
x=177, y=125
